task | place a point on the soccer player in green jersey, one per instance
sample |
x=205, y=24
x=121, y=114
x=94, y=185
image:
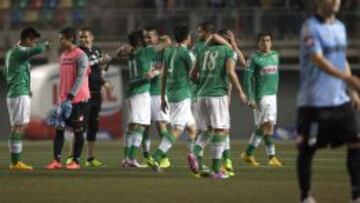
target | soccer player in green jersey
x=18, y=92
x=204, y=33
x=261, y=85
x=161, y=119
x=176, y=84
x=139, y=101
x=215, y=67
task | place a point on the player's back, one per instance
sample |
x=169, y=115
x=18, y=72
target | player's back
x=213, y=79
x=178, y=62
x=139, y=64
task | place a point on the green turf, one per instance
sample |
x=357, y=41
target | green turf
x=116, y=184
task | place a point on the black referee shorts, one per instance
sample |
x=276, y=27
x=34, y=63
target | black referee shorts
x=324, y=126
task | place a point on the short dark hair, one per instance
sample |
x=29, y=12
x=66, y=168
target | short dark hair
x=181, y=32
x=86, y=29
x=151, y=28
x=264, y=34
x=136, y=38
x=29, y=32
x=207, y=26
x=69, y=33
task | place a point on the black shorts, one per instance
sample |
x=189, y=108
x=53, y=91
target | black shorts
x=323, y=126
x=78, y=117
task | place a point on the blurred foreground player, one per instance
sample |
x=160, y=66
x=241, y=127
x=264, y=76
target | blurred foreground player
x=326, y=99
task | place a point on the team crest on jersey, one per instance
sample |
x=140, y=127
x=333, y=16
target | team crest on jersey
x=275, y=58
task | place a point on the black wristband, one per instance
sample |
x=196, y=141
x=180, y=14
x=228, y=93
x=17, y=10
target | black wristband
x=70, y=97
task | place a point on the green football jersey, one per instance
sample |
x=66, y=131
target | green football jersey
x=198, y=48
x=262, y=76
x=139, y=64
x=178, y=61
x=17, y=69
x=213, y=80
x=155, y=83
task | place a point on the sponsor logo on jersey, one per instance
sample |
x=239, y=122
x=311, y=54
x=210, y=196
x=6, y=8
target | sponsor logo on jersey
x=269, y=70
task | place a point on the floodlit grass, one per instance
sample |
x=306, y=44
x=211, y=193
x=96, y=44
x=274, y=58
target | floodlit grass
x=177, y=184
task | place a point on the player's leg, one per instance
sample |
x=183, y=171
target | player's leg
x=227, y=162
x=217, y=149
x=179, y=118
x=19, y=113
x=268, y=130
x=78, y=122
x=203, y=136
x=191, y=157
x=254, y=141
x=220, y=123
x=202, y=140
x=304, y=164
x=146, y=142
x=161, y=120
x=349, y=131
x=58, y=144
x=92, y=129
x=163, y=131
x=307, y=126
x=135, y=133
x=353, y=167
x=139, y=118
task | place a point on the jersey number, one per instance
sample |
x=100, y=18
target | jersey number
x=133, y=68
x=210, y=60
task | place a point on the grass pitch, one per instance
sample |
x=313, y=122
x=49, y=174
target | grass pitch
x=177, y=184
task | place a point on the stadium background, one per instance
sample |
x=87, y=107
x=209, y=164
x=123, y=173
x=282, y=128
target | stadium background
x=111, y=21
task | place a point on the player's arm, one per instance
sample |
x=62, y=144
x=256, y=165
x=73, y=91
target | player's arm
x=164, y=105
x=37, y=49
x=229, y=91
x=248, y=83
x=218, y=39
x=164, y=42
x=230, y=69
x=194, y=73
x=104, y=61
x=322, y=63
x=124, y=50
x=355, y=99
x=81, y=67
x=234, y=46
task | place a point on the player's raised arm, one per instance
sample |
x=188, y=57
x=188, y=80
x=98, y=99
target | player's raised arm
x=124, y=50
x=164, y=41
x=234, y=46
x=216, y=38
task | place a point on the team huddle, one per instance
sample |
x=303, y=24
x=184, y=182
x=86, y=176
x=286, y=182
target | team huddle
x=190, y=89
x=180, y=86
